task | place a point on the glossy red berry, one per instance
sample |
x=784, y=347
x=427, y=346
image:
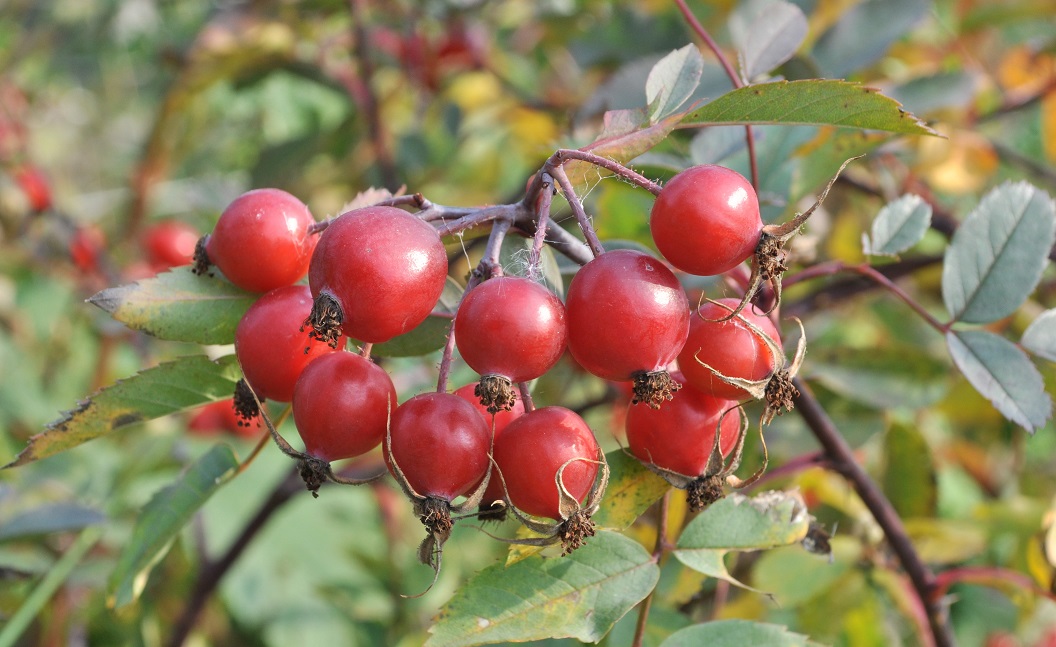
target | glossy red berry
x=170, y=244
x=706, y=220
x=440, y=442
x=532, y=449
x=377, y=272
x=628, y=316
x=729, y=347
x=261, y=241
x=270, y=344
x=679, y=436
x=511, y=327
x=497, y=423
x=341, y=405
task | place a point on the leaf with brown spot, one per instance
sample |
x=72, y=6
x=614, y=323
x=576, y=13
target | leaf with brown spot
x=631, y=490
x=153, y=393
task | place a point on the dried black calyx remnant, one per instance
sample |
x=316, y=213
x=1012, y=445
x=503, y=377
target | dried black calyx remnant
x=654, y=388
x=325, y=320
x=496, y=393
x=314, y=472
x=493, y=511
x=575, y=530
x=702, y=492
x=245, y=404
x=202, y=264
x=780, y=393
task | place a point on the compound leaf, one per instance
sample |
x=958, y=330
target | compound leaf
x=152, y=393
x=738, y=523
x=1040, y=336
x=580, y=595
x=817, y=102
x=767, y=33
x=179, y=306
x=1003, y=374
x=998, y=253
x=899, y=225
x=735, y=633
x=163, y=517
x=672, y=81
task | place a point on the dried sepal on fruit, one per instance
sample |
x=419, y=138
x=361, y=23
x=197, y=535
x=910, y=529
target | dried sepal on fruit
x=769, y=260
x=574, y=523
x=314, y=471
x=436, y=513
x=707, y=486
x=776, y=390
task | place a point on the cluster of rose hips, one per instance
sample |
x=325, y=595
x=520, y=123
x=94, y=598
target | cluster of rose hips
x=378, y=272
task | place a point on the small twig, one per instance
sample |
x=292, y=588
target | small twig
x=542, y=209
x=210, y=574
x=565, y=154
x=735, y=79
x=577, y=210
x=844, y=463
x=526, y=396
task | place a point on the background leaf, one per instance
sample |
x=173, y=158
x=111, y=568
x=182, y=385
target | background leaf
x=179, y=306
x=767, y=33
x=580, y=595
x=741, y=523
x=899, y=225
x=899, y=377
x=152, y=393
x=631, y=490
x=735, y=633
x=1040, y=336
x=864, y=33
x=909, y=478
x=50, y=518
x=810, y=102
x=1003, y=374
x=163, y=517
x=998, y=253
x=672, y=81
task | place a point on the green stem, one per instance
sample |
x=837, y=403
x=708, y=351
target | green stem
x=20, y=621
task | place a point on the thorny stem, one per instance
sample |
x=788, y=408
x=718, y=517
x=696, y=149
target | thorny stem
x=730, y=72
x=843, y=462
x=577, y=210
x=871, y=273
x=658, y=553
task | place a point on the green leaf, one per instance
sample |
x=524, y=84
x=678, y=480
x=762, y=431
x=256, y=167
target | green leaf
x=767, y=33
x=626, y=135
x=672, y=81
x=429, y=335
x=50, y=518
x=909, y=479
x=899, y=225
x=901, y=377
x=163, y=517
x=631, y=490
x=153, y=393
x=179, y=306
x=580, y=596
x=1040, y=336
x=1003, y=374
x=738, y=523
x=998, y=253
x=735, y=633
x=816, y=102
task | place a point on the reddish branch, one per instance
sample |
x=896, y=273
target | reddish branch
x=842, y=461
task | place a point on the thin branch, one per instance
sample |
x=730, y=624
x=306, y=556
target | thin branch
x=844, y=463
x=658, y=553
x=212, y=572
x=735, y=79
